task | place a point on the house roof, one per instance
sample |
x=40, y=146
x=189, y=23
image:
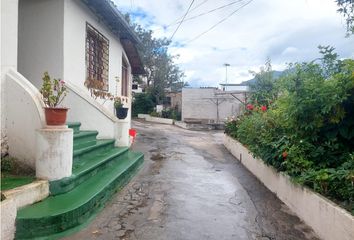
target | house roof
x=114, y=20
x=233, y=84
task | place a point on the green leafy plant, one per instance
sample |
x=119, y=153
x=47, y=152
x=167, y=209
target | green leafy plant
x=119, y=102
x=304, y=124
x=53, y=91
x=142, y=103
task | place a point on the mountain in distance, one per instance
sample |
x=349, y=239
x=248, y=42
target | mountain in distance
x=276, y=75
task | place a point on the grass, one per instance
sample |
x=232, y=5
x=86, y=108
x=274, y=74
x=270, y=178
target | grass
x=9, y=181
x=14, y=174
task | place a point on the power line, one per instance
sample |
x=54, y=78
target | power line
x=176, y=21
x=221, y=21
x=205, y=13
x=200, y=4
x=190, y=5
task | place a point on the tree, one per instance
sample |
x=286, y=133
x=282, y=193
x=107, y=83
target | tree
x=263, y=89
x=161, y=71
x=346, y=8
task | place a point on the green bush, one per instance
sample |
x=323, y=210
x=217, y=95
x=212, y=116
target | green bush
x=143, y=103
x=171, y=114
x=6, y=164
x=304, y=124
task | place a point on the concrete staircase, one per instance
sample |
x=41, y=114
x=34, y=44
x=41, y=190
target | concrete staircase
x=99, y=170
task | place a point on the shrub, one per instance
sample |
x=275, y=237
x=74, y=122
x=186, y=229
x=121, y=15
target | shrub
x=143, y=103
x=306, y=125
x=171, y=114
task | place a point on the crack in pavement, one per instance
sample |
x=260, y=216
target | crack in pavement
x=191, y=188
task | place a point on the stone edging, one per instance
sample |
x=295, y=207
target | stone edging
x=148, y=118
x=326, y=218
x=17, y=198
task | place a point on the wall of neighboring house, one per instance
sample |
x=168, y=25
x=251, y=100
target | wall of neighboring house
x=40, y=39
x=76, y=16
x=176, y=100
x=201, y=104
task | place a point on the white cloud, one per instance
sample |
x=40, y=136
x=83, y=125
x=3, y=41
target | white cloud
x=284, y=30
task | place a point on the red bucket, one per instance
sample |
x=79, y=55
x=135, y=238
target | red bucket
x=132, y=132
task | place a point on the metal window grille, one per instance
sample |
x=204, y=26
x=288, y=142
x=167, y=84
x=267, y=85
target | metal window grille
x=97, y=47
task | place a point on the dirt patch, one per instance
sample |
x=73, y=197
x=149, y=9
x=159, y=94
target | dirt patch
x=157, y=157
x=11, y=166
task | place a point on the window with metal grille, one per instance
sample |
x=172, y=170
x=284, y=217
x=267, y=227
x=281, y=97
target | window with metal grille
x=97, y=47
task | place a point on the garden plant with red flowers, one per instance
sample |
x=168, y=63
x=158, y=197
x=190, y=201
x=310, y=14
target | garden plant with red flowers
x=303, y=124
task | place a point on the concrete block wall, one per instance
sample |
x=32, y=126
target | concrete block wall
x=200, y=103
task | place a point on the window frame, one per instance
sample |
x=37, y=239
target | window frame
x=97, y=59
x=125, y=78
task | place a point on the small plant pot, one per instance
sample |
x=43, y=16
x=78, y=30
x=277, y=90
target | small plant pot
x=122, y=112
x=55, y=116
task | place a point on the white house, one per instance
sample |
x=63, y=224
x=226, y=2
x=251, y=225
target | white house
x=63, y=37
x=79, y=41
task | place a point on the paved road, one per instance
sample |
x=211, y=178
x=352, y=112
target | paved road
x=191, y=188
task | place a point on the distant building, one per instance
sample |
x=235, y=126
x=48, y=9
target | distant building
x=174, y=100
x=211, y=105
x=234, y=87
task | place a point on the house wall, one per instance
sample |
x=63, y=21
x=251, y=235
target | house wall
x=76, y=15
x=75, y=19
x=52, y=37
x=176, y=100
x=199, y=103
x=8, y=57
x=40, y=39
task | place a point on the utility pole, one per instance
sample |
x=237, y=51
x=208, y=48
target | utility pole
x=226, y=65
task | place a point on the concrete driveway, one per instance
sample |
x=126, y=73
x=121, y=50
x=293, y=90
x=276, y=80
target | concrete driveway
x=190, y=187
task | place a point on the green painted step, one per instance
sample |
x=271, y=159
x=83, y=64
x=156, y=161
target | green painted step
x=75, y=126
x=81, y=151
x=84, y=136
x=61, y=213
x=82, y=170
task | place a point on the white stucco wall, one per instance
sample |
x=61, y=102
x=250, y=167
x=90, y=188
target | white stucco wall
x=40, y=39
x=76, y=15
x=8, y=57
x=24, y=114
x=52, y=37
x=199, y=103
x=75, y=19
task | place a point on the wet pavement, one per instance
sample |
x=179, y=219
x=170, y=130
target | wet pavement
x=191, y=187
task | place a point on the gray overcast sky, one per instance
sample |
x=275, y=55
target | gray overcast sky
x=283, y=30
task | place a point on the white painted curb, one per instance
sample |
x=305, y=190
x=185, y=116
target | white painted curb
x=148, y=118
x=327, y=219
x=28, y=194
x=17, y=198
x=8, y=218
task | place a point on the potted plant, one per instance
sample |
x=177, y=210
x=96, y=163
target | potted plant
x=53, y=93
x=121, y=111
